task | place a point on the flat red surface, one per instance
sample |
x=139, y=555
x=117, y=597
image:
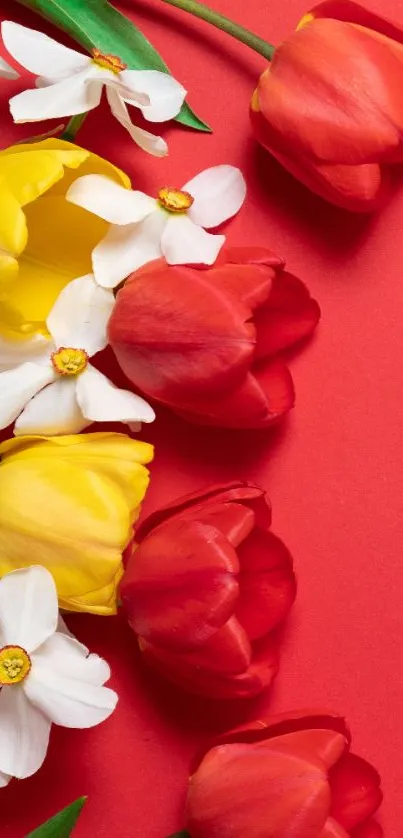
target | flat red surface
x=334, y=471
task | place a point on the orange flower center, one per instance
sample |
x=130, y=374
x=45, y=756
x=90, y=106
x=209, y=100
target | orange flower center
x=175, y=200
x=69, y=361
x=15, y=665
x=107, y=61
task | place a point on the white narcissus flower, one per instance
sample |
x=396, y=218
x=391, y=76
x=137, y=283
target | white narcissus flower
x=46, y=676
x=170, y=225
x=52, y=388
x=7, y=72
x=70, y=83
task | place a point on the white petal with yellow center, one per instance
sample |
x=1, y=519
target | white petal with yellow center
x=53, y=411
x=185, y=243
x=80, y=315
x=24, y=733
x=103, y=197
x=6, y=71
x=40, y=54
x=218, y=193
x=28, y=608
x=101, y=401
x=18, y=386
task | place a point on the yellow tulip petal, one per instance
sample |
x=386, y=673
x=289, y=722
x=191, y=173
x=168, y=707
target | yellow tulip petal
x=61, y=239
x=28, y=175
x=69, y=503
x=13, y=227
x=8, y=270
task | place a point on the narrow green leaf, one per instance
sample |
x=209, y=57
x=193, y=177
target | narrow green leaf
x=62, y=825
x=95, y=23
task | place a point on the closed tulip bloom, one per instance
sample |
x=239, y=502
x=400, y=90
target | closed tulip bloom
x=329, y=106
x=206, y=342
x=291, y=776
x=69, y=503
x=206, y=587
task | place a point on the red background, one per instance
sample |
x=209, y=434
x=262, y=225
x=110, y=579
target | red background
x=334, y=471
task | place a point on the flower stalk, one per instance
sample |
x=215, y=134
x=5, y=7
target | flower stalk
x=226, y=25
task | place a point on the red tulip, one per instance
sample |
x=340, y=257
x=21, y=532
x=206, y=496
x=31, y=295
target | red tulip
x=330, y=108
x=291, y=776
x=205, y=588
x=205, y=341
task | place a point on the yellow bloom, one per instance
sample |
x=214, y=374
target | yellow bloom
x=69, y=503
x=45, y=241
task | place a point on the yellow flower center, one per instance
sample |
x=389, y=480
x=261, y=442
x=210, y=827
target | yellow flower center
x=175, y=200
x=15, y=665
x=69, y=361
x=107, y=61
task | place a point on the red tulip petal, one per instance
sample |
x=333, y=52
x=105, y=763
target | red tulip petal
x=277, y=384
x=176, y=335
x=240, y=790
x=354, y=13
x=284, y=723
x=355, y=188
x=249, y=283
x=239, y=491
x=250, y=256
x=369, y=829
x=356, y=792
x=233, y=520
x=213, y=683
x=332, y=829
x=180, y=585
x=307, y=94
x=267, y=585
x=289, y=315
x=320, y=747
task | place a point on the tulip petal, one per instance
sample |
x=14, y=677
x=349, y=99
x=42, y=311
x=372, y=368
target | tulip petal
x=369, y=829
x=40, y=54
x=109, y=200
x=260, y=256
x=267, y=583
x=218, y=193
x=238, y=492
x=28, y=607
x=289, y=316
x=65, y=655
x=124, y=249
x=234, y=520
x=182, y=577
x=319, y=747
x=185, y=243
x=74, y=95
x=286, y=723
x=24, y=734
x=80, y=315
x=165, y=94
x=287, y=795
x=354, y=13
x=247, y=284
x=307, y=95
x=7, y=72
x=356, y=792
x=148, y=142
x=18, y=386
x=332, y=829
x=101, y=401
x=54, y=410
x=69, y=701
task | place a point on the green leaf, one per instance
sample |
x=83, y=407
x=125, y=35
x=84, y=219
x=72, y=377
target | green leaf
x=95, y=23
x=62, y=825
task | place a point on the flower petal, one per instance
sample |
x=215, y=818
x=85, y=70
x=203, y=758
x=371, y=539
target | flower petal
x=184, y=243
x=219, y=193
x=80, y=315
x=124, y=249
x=148, y=142
x=28, y=608
x=18, y=386
x=65, y=98
x=64, y=654
x=356, y=791
x=7, y=72
x=289, y=315
x=68, y=700
x=35, y=348
x=24, y=734
x=4, y=780
x=39, y=54
x=101, y=401
x=107, y=199
x=52, y=411
x=166, y=95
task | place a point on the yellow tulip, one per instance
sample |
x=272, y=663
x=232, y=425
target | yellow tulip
x=69, y=503
x=45, y=241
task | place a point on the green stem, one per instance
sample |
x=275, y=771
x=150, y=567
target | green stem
x=73, y=127
x=224, y=23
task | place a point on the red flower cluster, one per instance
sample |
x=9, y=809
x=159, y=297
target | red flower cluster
x=329, y=107
x=288, y=776
x=204, y=341
x=205, y=588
